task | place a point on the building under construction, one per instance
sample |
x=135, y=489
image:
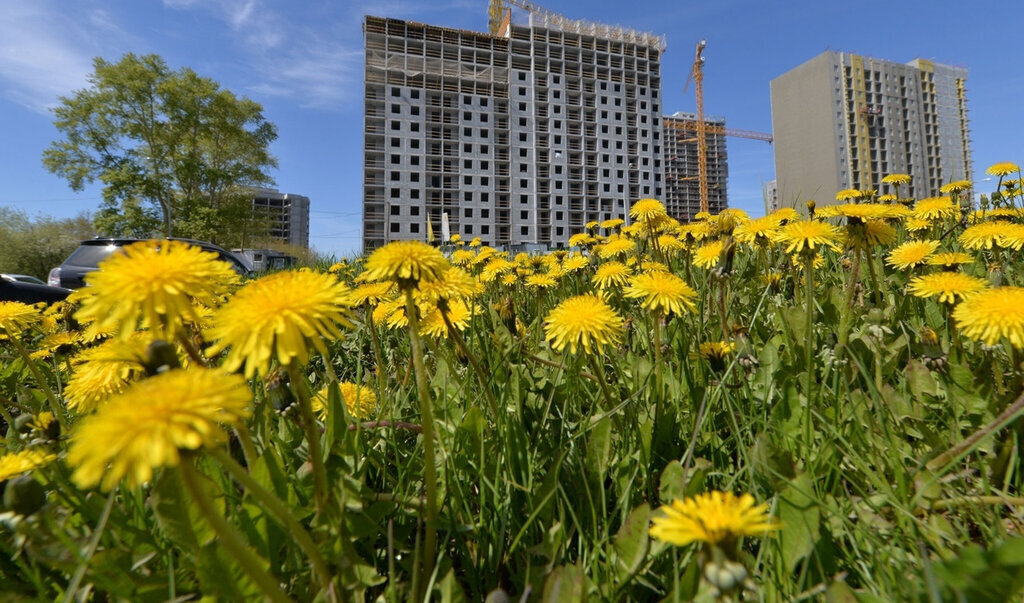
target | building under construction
x=520, y=136
x=682, y=190
x=843, y=121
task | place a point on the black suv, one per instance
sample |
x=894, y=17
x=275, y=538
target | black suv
x=85, y=259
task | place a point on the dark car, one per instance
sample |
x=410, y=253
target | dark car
x=30, y=293
x=85, y=259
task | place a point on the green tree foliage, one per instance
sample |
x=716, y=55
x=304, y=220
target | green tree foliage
x=173, y=150
x=34, y=246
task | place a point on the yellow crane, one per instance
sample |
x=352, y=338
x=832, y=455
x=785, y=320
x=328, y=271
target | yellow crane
x=702, y=128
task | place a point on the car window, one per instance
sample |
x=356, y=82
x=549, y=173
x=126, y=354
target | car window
x=90, y=255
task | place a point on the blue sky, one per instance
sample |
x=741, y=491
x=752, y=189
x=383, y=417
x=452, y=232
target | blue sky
x=303, y=61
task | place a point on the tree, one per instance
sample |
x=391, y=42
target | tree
x=173, y=150
x=35, y=246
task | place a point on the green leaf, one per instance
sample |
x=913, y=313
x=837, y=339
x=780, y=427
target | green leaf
x=800, y=517
x=450, y=590
x=631, y=542
x=772, y=463
x=677, y=483
x=599, y=449
x=565, y=584
x=176, y=515
x=920, y=380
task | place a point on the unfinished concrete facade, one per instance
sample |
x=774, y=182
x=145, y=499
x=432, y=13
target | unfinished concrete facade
x=520, y=138
x=285, y=216
x=682, y=189
x=843, y=121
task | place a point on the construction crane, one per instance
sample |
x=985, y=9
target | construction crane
x=702, y=128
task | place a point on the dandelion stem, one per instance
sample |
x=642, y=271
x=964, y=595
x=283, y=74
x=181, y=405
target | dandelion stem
x=301, y=388
x=228, y=536
x=429, y=460
x=603, y=381
x=461, y=344
x=376, y=353
x=809, y=274
x=844, y=320
x=279, y=510
x=55, y=406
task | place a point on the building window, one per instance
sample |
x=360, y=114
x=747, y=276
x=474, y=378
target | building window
x=396, y=92
x=467, y=229
x=414, y=211
x=396, y=159
x=525, y=230
x=414, y=228
x=396, y=227
x=396, y=108
x=396, y=210
x=396, y=125
x=485, y=213
x=395, y=194
x=468, y=212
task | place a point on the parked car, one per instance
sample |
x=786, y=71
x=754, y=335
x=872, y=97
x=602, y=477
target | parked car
x=30, y=293
x=85, y=259
x=22, y=278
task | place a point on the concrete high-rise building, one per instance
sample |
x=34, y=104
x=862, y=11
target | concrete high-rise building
x=844, y=121
x=285, y=216
x=520, y=138
x=682, y=188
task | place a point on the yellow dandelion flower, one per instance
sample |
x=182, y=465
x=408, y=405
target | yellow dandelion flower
x=706, y=256
x=1012, y=237
x=280, y=315
x=148, y=426
x=455, y=238
x=360, y=401
x=651, y=265
x=494, y=268
x=406, y=262
x=61, y=342
x=462, y=257
x=15, y=317
x=911, y=254
x=948, y=286
x=713, y=518
x=771, y=279
x=864, y=211
x=662, y=292
x=581, y=239
x=950, y=259
x=14, y=464
x=870, y=234
x=509, y=279
x=372, y=294
x=103, y=371
x=697, y=231
x=985, y=235
x=648, y=211
x=390, y=313
x=669, y=243
x=896, y=179
x=784, y=214
x=849, y=194
x=1004, y=168
x=44, y=422
x=432, y=322
x=541, y=281
x=575, y=262
x=616, y=247
x=935, y=208
x=455, y=283
x=957, y=186
x=890, y=198
x=155, y=284
x=993, y=314
x=760, y=231
x=583, y=321
x=981, y=215
x=809, y=234
x=613, y=223
x=611, y=274
x=475, y=242
x=716, y=349
x=592, y=225
x=913, y=224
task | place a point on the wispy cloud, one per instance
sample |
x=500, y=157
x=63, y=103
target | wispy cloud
x=315, y=60
x=44, y=53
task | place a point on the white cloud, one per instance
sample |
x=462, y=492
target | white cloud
x=318, y=61
x=43, y=55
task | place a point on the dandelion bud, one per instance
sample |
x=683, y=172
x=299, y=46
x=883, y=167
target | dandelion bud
x=725, y=576
x=24, y=495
